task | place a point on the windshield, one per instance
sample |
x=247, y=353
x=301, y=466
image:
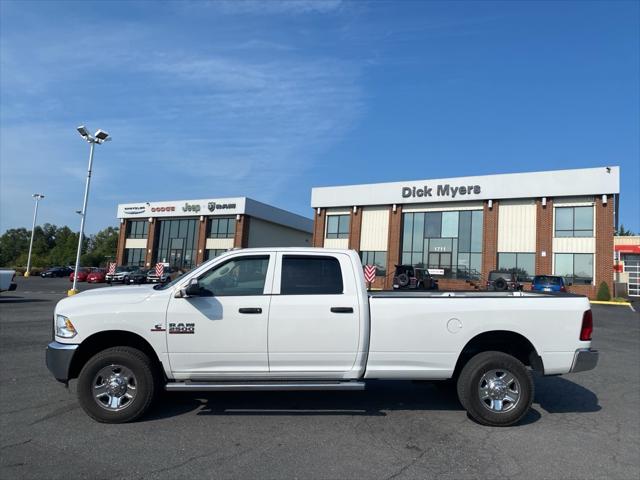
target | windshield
x=548, y=280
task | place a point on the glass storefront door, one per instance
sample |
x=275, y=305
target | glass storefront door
x=177, y=243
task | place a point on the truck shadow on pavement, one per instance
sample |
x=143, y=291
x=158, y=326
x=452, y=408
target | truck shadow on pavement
x=553, y=394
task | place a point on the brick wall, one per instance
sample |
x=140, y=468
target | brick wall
x=201, y=245
x=544, y=237
x=318, y=228
x=604, y=243
x=241, y=238
x=490, y=237
x=394, y=244
x=152, y=242
x=122, y=234
x=355, y=228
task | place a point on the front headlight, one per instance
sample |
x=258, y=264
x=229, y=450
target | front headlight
x=64, y=327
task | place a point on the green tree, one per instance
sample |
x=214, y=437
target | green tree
x=603, y=292
x=54, y=245
x=623, y=232
x=13, y=242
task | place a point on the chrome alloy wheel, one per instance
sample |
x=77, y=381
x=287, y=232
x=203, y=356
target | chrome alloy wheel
x=114, y=387
x=499, y=391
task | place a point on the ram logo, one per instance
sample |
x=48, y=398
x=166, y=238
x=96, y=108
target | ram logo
x=182, y=328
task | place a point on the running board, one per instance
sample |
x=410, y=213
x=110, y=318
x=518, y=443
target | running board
x=264, y=386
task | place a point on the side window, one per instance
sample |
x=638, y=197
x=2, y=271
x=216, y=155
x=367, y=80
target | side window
x=310, y=275
x=238, y=276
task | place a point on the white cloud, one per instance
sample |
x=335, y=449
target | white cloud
x=186, y=122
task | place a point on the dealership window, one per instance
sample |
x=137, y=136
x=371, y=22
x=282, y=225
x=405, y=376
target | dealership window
x=574, y=222
x=222, y=228
x=575, y=267
x=338, y=226
x=450, y=241
x=177, y=242
x=213, y=253
x=379, y=259
x=522, y=264
x=137, y=229
x=134, y=257
x=310, y=275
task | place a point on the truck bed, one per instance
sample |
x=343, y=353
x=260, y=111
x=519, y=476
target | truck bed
x=464, y=294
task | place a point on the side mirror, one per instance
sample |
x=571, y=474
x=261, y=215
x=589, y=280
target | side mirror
x=191, y=290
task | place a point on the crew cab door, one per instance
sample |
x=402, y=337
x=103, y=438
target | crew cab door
x=223, y=330
x=314, y=316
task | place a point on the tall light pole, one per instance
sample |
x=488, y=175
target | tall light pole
x=99, y=137
x=37, y=197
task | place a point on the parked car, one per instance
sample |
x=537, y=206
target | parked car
x=302, y=319
x=6, y=280
x=548, y=283
x=500, y=281
x=139, y=276
x=56, y=272
x=97, y=275
x=152, y=277
x=407, y=276
x=82, y=274
x=121, y=274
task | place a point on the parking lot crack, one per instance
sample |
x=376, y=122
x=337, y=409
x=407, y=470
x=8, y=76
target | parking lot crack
x=16, y=444
x=411, y=463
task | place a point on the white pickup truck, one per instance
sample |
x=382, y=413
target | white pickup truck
x=302, y=319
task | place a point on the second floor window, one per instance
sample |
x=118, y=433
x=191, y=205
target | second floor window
x=574, y=222
x=137, y=229
x=338, y=226
x=222, y=228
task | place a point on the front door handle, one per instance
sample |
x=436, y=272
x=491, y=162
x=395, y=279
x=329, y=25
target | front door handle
x=250, y=310
x=341, y=309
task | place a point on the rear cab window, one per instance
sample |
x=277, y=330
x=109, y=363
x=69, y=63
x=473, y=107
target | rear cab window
x=310, y=275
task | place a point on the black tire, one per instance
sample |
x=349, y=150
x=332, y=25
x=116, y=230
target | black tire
x=500, y=285
x=469, y=384
x=403, y=279
x=146, y=383
x=125, y=280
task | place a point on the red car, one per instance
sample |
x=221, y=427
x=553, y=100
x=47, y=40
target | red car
x=82, y=275
x=97, y=275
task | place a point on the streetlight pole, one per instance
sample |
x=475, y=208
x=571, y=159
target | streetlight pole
x=99, y=137
x=38, y=197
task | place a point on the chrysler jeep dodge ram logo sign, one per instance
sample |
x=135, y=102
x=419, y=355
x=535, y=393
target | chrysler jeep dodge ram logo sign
x=137, y=210
x=445, y=190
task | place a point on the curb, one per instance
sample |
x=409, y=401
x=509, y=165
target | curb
x=600, y=302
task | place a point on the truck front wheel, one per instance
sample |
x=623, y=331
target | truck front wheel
x=496, y=389
x=117, y=385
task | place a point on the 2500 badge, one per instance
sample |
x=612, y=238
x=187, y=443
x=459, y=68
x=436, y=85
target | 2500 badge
x=182, y=328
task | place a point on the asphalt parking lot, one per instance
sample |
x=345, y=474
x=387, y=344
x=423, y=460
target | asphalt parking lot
x=584, y=425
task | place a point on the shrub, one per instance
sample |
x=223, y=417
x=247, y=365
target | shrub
x=603, y=292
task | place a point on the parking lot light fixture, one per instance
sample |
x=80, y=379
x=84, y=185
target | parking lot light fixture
x=99, y=137
x=37, y=197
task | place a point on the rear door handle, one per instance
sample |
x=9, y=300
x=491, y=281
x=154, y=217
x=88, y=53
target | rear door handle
x=250, y=310
x=341, y=309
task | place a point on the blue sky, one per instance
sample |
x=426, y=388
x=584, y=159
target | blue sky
x=267, y=99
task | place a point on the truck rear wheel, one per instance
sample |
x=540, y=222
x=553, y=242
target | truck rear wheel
x=117, y=385
x=496, y=389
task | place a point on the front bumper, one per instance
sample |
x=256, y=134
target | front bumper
x=584, y=359
x=58, y=358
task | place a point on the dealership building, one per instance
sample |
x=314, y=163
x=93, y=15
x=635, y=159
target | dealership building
x=553, y=222
x=185, y=233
